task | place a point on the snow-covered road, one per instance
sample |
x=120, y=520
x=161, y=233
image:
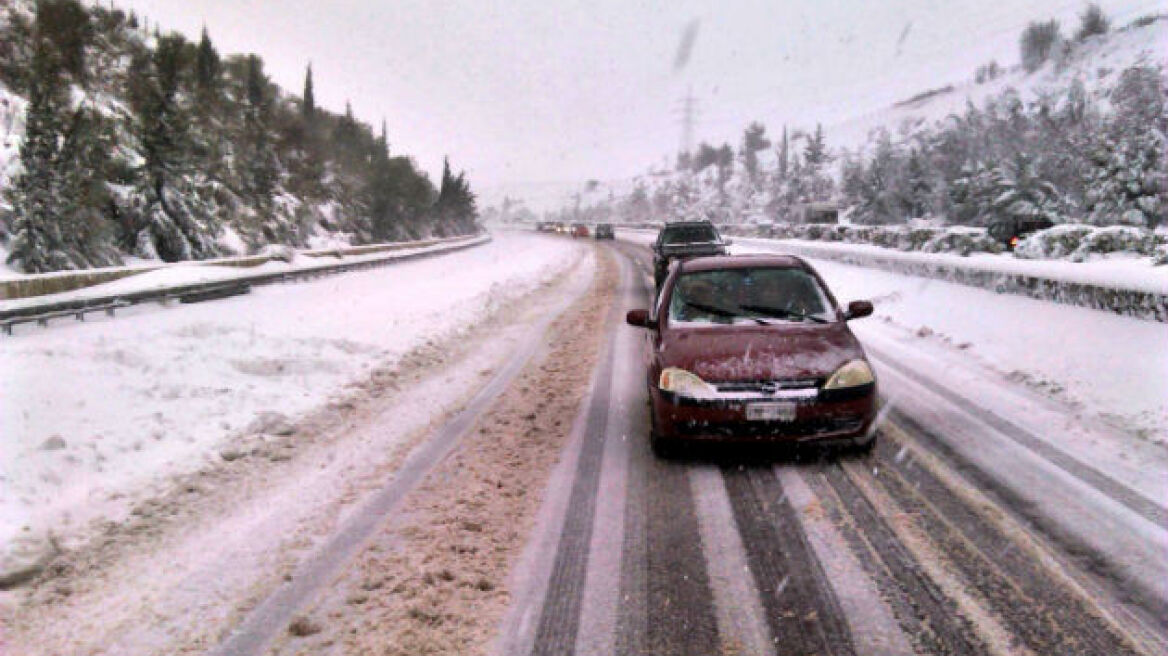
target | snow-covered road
x=94, y=414
x=995, y=515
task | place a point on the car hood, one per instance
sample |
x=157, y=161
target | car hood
x=723, y=353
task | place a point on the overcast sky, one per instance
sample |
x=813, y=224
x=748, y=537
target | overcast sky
x=550, y=90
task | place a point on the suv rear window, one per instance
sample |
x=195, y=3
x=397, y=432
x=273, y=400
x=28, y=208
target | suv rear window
x=689, y=234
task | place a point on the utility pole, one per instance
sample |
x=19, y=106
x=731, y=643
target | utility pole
x=688, y=113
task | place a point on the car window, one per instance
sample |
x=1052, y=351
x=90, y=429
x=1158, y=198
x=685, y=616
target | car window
x=734, y=295
x=688, y=234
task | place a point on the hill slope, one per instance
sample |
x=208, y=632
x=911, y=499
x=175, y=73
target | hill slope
x=118, y=142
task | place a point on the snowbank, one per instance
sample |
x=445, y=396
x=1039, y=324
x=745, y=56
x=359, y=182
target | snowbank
x=1102, y=366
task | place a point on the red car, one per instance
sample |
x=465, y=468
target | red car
x=755, y=348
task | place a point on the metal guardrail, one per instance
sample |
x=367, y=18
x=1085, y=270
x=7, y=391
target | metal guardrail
x=1136, y=303
x=78, y=308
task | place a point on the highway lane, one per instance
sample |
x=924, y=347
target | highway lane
x=918, y=547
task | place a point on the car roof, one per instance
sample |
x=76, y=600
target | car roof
x=715, y=262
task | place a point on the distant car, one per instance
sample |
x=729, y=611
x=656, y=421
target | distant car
x=684, y=239
x=755, y=349
x=1010, y=231
x=579, y=230
x=604, y=231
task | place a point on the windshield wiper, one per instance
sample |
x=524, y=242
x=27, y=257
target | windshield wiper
x=780, y=313
x=725, y=312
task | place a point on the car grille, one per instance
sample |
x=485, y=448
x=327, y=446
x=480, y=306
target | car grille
x=768, y=386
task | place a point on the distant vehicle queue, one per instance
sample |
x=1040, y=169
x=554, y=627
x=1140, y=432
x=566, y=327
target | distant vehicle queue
x=600, y=231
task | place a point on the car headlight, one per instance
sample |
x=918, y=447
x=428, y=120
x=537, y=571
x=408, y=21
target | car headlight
x=852, y=374
x=680, y=381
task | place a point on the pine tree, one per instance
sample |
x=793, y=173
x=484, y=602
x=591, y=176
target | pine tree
x=724, y=158
x=455, y=207
x=308, y=103
x=1092, y=22
x=917, y=185
x=256, y=82
x=815, y=154
x=207, y=67
x=1038, y=43
x=261, y=167
x=66, y=24
x=784, y=156
x=753, y=140
x=37, y=243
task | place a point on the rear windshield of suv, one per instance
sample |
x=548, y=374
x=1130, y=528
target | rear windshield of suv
x=689, y=234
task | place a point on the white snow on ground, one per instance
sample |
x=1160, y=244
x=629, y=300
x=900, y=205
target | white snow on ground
x=96, y=411
x=1103, y=365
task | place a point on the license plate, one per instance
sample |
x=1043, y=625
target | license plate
x=770, y=412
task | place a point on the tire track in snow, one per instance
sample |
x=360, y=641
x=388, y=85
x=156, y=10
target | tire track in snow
x=800, y=605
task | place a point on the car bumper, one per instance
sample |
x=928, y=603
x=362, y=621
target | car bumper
x=841, y=417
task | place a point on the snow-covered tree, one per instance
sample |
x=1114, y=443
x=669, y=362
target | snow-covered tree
x=754, y=139
x=1127, y=182
x=1092, y=22
x=37, y=243
x=1038, y=43
x=207, y=68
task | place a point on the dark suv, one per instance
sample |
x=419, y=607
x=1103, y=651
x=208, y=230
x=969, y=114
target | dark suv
x=604, y=231
x=682, y=240
x=1010, y=231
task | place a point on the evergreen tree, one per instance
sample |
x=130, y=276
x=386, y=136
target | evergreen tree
x=1093, y=21
x=753, y=140
x=83, y=165
x=917, y=185
x=724, y=158
x=455, y=207
x=66, y=24
x=784, y=156
x=1127, y=181
x=261, y=166
x=815, y=154
x=1038, y=43
x=37, y=243
x=207, y=67
x=308, y=103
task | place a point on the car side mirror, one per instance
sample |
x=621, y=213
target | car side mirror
x=858, y=309
x=640, y=319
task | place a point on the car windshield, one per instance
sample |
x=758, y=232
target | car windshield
x=758, y=295
x=689, y=234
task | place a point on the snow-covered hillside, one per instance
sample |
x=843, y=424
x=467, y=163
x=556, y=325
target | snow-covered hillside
x=144, y=144
x=1096, y=63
